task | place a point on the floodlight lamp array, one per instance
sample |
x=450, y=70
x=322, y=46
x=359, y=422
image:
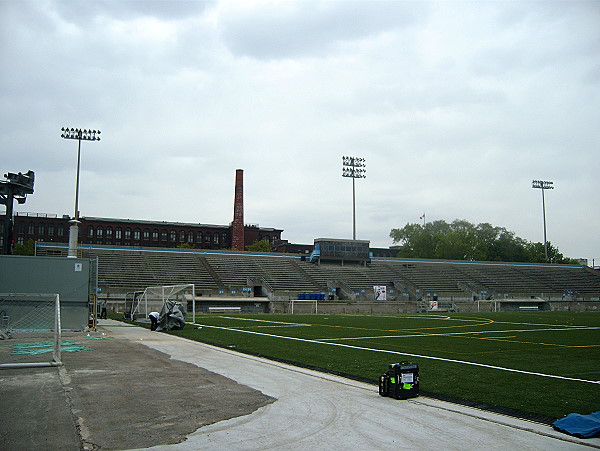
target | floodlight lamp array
x=16, y=186
x=77, y=133
x=542, y=184
x=24, y=181
x=353, y=161
x=354, y=173
x=353, y=167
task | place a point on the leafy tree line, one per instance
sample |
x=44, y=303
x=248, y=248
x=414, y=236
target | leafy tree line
x=461, y=240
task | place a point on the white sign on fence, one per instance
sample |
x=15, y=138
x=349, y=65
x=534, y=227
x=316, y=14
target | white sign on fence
x=380, y=292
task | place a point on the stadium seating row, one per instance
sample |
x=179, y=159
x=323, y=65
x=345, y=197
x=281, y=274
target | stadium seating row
x=122, y=270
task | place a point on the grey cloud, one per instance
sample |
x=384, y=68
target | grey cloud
x=313, y=28
x=78, y=12
x=552, y=35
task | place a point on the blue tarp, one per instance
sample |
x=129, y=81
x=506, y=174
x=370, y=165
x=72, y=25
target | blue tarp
x=584, y=426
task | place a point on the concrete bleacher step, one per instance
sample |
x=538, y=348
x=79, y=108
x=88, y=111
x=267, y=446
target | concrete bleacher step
x=136, y=269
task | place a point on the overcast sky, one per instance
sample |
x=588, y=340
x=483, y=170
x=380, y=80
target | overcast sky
x=456, y=107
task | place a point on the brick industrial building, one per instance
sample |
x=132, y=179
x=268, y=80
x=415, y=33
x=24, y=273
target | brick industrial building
x=142, y=233
x=129, y=232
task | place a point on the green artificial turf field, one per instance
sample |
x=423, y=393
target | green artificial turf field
x=539, y=363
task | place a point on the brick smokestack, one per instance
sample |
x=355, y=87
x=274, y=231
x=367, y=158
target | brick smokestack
x=237, y=238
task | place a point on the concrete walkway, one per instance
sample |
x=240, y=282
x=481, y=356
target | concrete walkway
x=321, y=412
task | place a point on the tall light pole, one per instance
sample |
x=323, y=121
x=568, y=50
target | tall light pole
x=354, y=168
x=543, y=185
x=79, y=135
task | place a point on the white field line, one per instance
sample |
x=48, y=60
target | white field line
x=456, y=333
x=547, y=325
x=274, y=326
x=429, y=316
x=447, y=318
x=263, y=321
x=359, y=348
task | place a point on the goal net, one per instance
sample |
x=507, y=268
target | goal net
x=153, y=299
x=303, y=306
x=487, y=305
x=30, y=330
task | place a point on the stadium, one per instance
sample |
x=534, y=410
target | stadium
x=242, y=280
x=337, y=312
x=332, y=275
x=171, y=313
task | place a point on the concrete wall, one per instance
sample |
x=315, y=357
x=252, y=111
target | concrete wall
x=576, y=306
x=349, y=307
x=357, y=307
x=69, y=277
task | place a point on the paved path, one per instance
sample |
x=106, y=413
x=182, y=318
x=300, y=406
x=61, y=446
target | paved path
x=321, y=412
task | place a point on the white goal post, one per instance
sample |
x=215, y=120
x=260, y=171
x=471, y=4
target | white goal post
x=153, y=299
x=312, y=304
x=490, y=305
x=30, y=328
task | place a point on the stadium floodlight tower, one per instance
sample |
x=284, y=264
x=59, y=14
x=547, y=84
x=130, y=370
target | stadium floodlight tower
x=543, y=185
x=15, y=187
x=80, y=135
x=353, y=167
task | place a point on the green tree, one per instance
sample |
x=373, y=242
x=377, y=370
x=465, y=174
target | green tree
x=185, y=245
x=25, y=249
x=260, y=246
x=537, y=254
x=461, y=240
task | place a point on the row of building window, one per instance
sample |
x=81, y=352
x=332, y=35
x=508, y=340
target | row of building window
x=51, y=230
x=20, y=240
x=127, y=233
x=42, y=229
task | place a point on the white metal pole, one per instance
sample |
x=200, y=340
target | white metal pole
x=57, y=326
x=74, y=229
x=353, y=210
x=194, y=303
x=544, y=213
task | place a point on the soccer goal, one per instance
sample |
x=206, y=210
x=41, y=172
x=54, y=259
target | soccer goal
x=303, y=306
x=487, y=305
x=30, y=330
x=153, y=298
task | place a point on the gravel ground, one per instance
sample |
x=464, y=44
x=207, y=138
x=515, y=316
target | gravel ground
x=119, y=394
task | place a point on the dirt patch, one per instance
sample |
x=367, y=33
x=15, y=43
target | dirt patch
x=126, y=395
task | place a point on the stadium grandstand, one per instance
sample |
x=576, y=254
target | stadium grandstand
x=267, y=282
